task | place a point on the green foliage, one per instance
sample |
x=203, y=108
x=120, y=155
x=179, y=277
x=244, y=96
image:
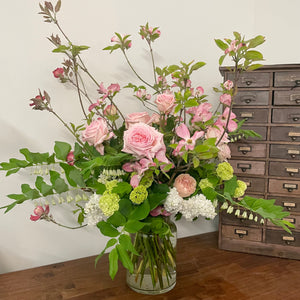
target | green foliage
x=107, y=229
x=113, y=263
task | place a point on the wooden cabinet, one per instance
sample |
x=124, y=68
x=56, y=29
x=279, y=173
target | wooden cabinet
x=269, y=100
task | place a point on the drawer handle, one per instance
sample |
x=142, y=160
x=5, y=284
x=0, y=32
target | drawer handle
x=288, y=239
x=289, y=205
x=290, y=187
x=241, y=233
x=295, y=119
x=297, y=83
x=294, y=135
x=246, y=115
x=249, y=98
x=244, y=149
x=292, y=171
x=244, y=167
x=249, y=81
x=293, y=152
x=291, y=220
x=295, y=97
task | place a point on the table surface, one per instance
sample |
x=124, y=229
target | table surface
x=203, y=272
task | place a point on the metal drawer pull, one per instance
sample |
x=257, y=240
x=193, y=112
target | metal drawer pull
x=244, y=167
x=288, y=239
x=290, y=187
x=294, y=135
x=295, y=118
x=295, y=97
x=247, y=115
x=244, y=149
x=289, y=205
x=291, y=220
x=297, y=82
x=249, y=81
x=293, y=152
x=250, y=98
x=291, y=171
x=241, y=233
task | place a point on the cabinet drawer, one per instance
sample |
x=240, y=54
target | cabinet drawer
x=287, y=79
x=258, y=129
x=251, y=79
x=290, y=97
x=281, y=237
x=248, y=150
x=254, y=184
x=288, y=134
x=288, y=203
x=242, y=233
x=285, y=169
x=248, y=98
x=248, y=167
x=252, y=115
x=294, y=219
x=282, y=186
x=285, y=151
x=286, y=115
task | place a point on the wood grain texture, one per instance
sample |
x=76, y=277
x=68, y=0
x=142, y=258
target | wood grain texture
x=203, y=272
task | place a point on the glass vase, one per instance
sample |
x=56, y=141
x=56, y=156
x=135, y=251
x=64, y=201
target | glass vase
x=155, y=266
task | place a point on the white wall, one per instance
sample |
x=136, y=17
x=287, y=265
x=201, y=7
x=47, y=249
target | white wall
x=187, y=30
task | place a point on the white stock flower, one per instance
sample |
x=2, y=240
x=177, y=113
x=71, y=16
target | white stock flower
x=173, y=203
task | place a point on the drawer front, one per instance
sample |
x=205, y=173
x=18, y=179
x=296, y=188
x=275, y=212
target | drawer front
x=294, y=219
x=251, y=79
x=260, y=130
x=285, y=169
x=290, y=97
x=248, y=150
x=281, y=237
x=252, y=115
x=286, y=115
x=232, y=219
x=248, y=167
x=288, y=203
x=242, y=233
x=287, y=79
x=287, y=134
x=254, y=184
x=248, y=98
x=282, y=186
x=285, y=151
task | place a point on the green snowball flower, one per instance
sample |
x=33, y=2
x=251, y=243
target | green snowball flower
x=204, y=183
x=225, y=171
x=139, y=194
x=109, y=203
x=110, y=185
x=240, y=189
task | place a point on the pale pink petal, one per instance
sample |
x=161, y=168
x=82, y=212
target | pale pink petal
x=182, y=131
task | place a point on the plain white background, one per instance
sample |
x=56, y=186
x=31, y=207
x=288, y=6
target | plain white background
x=188, y=31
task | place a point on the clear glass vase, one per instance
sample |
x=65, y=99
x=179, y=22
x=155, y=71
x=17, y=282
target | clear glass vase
x=155, y=266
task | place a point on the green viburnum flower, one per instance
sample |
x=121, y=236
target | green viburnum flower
x=139, y=194
x=147, y=179
x=204, y=183
x=240, y=189
x=225, y=171
x=109, y=203
x=110, y=185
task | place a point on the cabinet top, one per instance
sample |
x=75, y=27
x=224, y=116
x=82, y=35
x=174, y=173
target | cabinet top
x=264, y=68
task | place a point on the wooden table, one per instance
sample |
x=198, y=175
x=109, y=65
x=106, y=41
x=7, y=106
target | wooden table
x=203, y=272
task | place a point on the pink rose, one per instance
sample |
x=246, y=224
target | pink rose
x=59, y=72
x=228, y=84
x=185, y=185
x=165, y=103
x=70, y=158
x=224, y=152
x=225, y=99
x=142, y=140
x=40, y=213
x=96, y=133
x=141, y=117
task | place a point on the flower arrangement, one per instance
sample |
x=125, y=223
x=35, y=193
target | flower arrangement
x=130, y=172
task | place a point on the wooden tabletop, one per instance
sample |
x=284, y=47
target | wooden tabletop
x=203, y=272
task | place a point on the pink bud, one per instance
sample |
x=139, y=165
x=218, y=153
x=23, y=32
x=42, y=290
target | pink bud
x=70, y=158
x=110, y=110
x=40, y=213
x=59, y=72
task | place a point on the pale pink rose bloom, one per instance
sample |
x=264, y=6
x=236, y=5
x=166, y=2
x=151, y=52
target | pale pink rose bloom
x=225, y=99
x=144, y=141
x=155, y=118
x=165, y=103
x=39, y=213
x=224, y=152
x=217, y=132
x=159, y=210
x=222, y=120
x=58, y=72
x=228, y=84
x=187, y=141
x=96, y=133
x=185, y=185
x=70, y=158
x=137, y=117
x=110, y=110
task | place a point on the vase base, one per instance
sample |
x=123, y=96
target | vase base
x=153, y=292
